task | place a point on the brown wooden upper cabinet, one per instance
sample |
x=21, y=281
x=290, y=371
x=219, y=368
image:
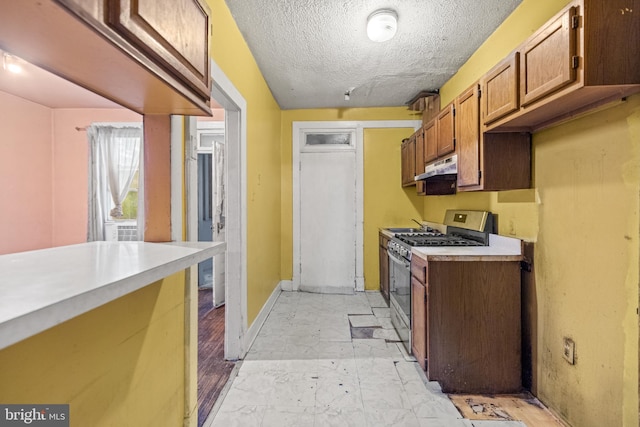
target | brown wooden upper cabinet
x=408, y=161
x=488, y=161
x=467, y=125
x=150, y=56
x=174, y=33
x=419, y=168
x=583, y=57
x=549, y=59
x=446, y=130
x=501, y=89
x=430, y=141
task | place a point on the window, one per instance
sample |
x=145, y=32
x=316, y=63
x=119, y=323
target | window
x=114, y=165
x=319, y=141
x=328, y=139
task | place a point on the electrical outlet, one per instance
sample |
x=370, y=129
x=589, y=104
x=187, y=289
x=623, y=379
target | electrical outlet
x=568, y=351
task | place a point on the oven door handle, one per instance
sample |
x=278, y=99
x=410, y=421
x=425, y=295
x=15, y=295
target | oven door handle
x=402, y=262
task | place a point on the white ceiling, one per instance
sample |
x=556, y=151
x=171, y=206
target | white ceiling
x=312, y=51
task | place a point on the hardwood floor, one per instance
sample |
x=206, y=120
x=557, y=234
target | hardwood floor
x=516, y=407
x=213, y=370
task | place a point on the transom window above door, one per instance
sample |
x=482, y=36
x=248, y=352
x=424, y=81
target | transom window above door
x=329, y=141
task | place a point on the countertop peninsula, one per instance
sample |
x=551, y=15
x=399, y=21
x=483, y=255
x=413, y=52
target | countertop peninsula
x=43, y=288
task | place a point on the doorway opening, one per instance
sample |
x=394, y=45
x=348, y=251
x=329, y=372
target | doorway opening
x=223, y=338
x=316, y=137
x=213, y=369
x=328, y=211
x=211, y=200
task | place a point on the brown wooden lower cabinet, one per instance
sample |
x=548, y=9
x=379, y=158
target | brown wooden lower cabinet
x=384, y=267
x=466, y=324
x=419, y=322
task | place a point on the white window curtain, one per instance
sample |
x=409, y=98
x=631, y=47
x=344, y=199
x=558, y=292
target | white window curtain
x=114, y=158
x=219, y=219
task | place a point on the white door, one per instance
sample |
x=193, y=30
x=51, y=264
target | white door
x=328, y=213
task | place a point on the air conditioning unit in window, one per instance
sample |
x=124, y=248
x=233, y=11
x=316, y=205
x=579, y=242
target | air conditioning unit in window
x=121, y=231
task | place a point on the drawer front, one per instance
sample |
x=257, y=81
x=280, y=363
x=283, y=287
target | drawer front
x=419, y=269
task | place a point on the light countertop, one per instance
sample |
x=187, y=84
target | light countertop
x=500, y=249
x=43, y=288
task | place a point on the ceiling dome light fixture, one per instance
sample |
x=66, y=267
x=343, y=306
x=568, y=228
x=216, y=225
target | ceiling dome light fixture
x=382, y=25
x=10, y=63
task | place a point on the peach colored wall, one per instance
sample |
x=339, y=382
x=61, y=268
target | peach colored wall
x=70, y=168
x=217, y=115
x=43, y=172
x=25, y=175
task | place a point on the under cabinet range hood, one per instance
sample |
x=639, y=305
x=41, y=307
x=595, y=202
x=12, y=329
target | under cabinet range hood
x=448, y=166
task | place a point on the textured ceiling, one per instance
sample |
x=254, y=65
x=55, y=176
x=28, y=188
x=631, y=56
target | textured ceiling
x=312, y=51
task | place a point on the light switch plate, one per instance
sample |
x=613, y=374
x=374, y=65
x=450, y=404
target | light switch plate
x=568, y=351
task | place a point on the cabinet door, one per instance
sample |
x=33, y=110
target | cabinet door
x=408, y=162
x=411, y=161
x=384, y=268
x=548, y=60
x=419, y=168
x=445, y=129
x=419, y=322
x=468, y=137
x=403, y=161
x=430, y=142
x=500, y=90
x=174, y=33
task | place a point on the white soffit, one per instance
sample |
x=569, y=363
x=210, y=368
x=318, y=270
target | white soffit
x=312, y=51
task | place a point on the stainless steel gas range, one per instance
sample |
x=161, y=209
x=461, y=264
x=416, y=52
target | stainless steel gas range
x=463, y=228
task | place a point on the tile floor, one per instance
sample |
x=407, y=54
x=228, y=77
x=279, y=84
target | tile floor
x=304, y=369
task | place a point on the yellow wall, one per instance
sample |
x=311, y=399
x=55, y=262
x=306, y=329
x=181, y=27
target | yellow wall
x=585, y=180
x=386, y=202
x=587, y=175
x=230, y=52
x=408, y=206
x=121, y=364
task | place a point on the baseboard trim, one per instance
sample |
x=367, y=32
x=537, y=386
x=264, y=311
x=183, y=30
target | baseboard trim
x=286, y=285
x=255, y=327
x=342, y=290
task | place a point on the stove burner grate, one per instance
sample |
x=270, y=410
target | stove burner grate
x=423, y=239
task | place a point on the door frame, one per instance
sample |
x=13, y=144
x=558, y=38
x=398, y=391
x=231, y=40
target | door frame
x=206, y=128
x=224, y=93
x=299, y=129
x=235, y=119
